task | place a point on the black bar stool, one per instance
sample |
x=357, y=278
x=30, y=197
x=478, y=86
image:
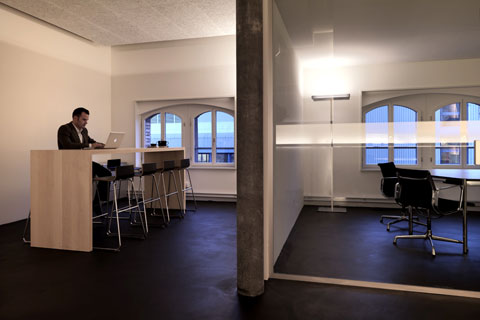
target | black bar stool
x=149, y=170
x=112, y=164
x=169, y=168
x=122, y=173
x=184, y=165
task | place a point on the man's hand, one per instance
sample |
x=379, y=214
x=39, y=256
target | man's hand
x=98, y=145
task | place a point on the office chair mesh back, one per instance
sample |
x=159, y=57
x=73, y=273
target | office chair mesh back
x=389, y=173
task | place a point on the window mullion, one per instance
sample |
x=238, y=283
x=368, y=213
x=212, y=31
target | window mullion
x=463, y=148
x=214, y=135
x=390, y=134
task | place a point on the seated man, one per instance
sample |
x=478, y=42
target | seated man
x=74, y=135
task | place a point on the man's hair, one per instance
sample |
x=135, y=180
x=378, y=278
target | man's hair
x=77, y=112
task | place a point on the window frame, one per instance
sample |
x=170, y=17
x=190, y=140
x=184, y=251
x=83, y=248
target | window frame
x=214, y=162
x=188, y=113
x=163, y=124
x=425, y=104
x=463, y=146
x=390, y=145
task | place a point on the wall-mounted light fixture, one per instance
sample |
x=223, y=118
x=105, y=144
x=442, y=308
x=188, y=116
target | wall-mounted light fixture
x=331, y=97
x=344, y=96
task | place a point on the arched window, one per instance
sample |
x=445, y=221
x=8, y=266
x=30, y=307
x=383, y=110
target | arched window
x=214, y=137
x=377, y=148
x=206, y=132
x=445, y=124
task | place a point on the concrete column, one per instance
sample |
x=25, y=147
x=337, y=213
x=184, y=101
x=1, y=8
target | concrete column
x=249, y=148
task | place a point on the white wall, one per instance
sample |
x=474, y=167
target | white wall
x=350, y=180
x=287, y=162
x=44, y=74
x=174, y=70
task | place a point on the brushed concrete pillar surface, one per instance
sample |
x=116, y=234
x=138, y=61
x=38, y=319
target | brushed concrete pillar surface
x=250, y=147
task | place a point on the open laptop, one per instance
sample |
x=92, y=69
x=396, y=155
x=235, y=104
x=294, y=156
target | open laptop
x=114, y=140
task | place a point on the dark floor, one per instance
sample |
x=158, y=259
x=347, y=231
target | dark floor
x=187, y=271
x=356, y=246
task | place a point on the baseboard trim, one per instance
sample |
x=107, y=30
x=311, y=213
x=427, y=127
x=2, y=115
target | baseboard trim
x=217, y=197
x=378, y=285
x=361, y=202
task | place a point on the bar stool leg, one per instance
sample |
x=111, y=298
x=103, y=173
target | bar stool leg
x=115, y=201
x=26, y=227
x=191, y=188
x=184, y=200
x=165, y=196
x=154, y=181
x=176, y=188
x=143, y=204
x=138, y=206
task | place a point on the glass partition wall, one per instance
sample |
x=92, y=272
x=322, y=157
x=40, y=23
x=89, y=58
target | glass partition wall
x=409, y=102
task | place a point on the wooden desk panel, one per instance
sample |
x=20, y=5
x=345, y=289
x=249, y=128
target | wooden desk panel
x=61, y=194
x=60, y=208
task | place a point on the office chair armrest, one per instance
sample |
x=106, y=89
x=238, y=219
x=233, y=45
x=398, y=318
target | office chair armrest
x=398, y=192
x=436, y=196
x=448, y=187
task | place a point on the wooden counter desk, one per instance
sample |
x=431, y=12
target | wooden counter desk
x=61, y=193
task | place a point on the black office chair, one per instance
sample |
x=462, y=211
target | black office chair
x=387, y=186
x=416, y=190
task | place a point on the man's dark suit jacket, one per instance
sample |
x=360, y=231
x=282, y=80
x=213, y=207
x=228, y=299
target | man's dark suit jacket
x=67, y=137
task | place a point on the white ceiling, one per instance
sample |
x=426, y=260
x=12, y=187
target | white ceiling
x=383, y=31
x=115, y=22
x=353, y=31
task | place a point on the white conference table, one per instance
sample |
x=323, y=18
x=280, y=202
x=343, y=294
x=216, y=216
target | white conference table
x=466, y=175
x=61, y=194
